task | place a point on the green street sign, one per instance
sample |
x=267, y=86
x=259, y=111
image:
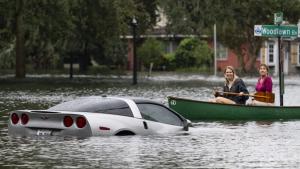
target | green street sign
x=276, y=30
x=278, y=18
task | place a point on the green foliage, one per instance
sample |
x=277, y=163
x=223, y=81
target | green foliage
x=235, y=20
x=56, y=29
x=192, y=52
x=50, y=30
x=235, y=28
x=203, y=54
x=115, y=51
x=170, y=57
x=169, y=61
x=7, y=41
x=7, y=59
x=190, y=17
x=184, y=55
x=151, y=52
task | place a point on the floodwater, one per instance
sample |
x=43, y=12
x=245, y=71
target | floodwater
x=227, y=144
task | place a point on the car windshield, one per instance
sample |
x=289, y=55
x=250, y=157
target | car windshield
x=95, y=105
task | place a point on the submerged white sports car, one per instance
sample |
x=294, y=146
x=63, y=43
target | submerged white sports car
x=97, y=116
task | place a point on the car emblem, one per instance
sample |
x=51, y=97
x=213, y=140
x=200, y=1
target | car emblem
x=44, y=117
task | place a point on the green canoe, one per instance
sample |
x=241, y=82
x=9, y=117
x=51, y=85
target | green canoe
x=196, y=110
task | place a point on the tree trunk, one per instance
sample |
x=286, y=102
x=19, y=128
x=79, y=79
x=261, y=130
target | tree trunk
x=84, y=59
x=20, y=56
x=71, y=66
x=253, y=52
x=240, y=57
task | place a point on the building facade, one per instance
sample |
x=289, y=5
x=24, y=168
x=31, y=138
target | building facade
x=290, y=52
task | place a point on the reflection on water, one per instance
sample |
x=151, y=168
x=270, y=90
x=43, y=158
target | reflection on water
x=207, y=145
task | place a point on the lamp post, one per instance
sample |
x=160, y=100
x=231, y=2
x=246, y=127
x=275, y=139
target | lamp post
x=215, y=50
x=134, y=25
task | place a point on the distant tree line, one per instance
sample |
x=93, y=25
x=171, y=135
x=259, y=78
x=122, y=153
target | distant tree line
x=44, y=33
x=41, y=33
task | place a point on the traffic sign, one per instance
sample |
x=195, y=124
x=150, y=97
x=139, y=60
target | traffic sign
x=276, y=30
x=278, y=18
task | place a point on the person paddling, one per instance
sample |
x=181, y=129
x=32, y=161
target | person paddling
x=233, y=84
x=263, y=86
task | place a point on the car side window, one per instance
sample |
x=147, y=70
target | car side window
x=158, y=113
x=124, y=111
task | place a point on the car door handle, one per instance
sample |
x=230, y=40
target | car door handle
x=145, y=125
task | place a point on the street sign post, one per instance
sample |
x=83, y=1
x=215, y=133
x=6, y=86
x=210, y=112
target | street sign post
x=276, y=30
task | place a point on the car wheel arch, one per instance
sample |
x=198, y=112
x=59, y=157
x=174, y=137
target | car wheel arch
x=125, y=133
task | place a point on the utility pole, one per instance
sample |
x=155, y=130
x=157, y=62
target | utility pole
x=215, y=50
x=134, y=25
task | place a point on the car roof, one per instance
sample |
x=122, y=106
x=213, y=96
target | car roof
x=143, y=100
x=93, y=103
x=90, y=104
x=135, y=99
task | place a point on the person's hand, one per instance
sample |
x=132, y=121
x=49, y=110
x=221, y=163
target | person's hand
x=241, y=93
x=217, y=94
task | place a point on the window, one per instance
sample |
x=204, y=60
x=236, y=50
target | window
x=124, y=111
x=158, y=113
x=258, y=57
x=271, y=54
x=95, y=105
x=169, y=46
x=222, y=53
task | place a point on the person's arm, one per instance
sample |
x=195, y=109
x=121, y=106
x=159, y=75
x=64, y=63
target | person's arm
x=225, y=89
x=217, y=94
x=268, y=84
x=243, y=88
x=257, y=85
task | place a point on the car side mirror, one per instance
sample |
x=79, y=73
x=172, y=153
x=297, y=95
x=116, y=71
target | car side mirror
x=186, y=124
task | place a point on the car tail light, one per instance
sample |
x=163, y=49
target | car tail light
x=80, y=122
x=68, y=121
x=14, y=118
x=24, y=118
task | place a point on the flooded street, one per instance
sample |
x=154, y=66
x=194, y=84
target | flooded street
x=251, y=144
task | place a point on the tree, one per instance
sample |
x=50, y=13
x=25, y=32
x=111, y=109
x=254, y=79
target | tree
x=46, y=25
x=28, y=22
x=51, y=30
x=151, y=51
x=19, y=32
x=192, y=52
x=189, y=17
x=98, y=24
x=235, y=21
x=237, y=30
x=203, y=54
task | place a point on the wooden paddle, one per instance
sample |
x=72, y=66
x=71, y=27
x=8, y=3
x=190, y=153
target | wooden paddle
x=259, y=96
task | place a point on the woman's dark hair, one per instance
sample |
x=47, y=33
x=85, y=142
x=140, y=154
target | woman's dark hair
x=264, y=65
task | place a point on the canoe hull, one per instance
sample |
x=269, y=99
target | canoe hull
x=199, y=110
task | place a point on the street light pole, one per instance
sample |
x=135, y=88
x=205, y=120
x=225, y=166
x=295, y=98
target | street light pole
x=215, y=50
x=134, y=25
